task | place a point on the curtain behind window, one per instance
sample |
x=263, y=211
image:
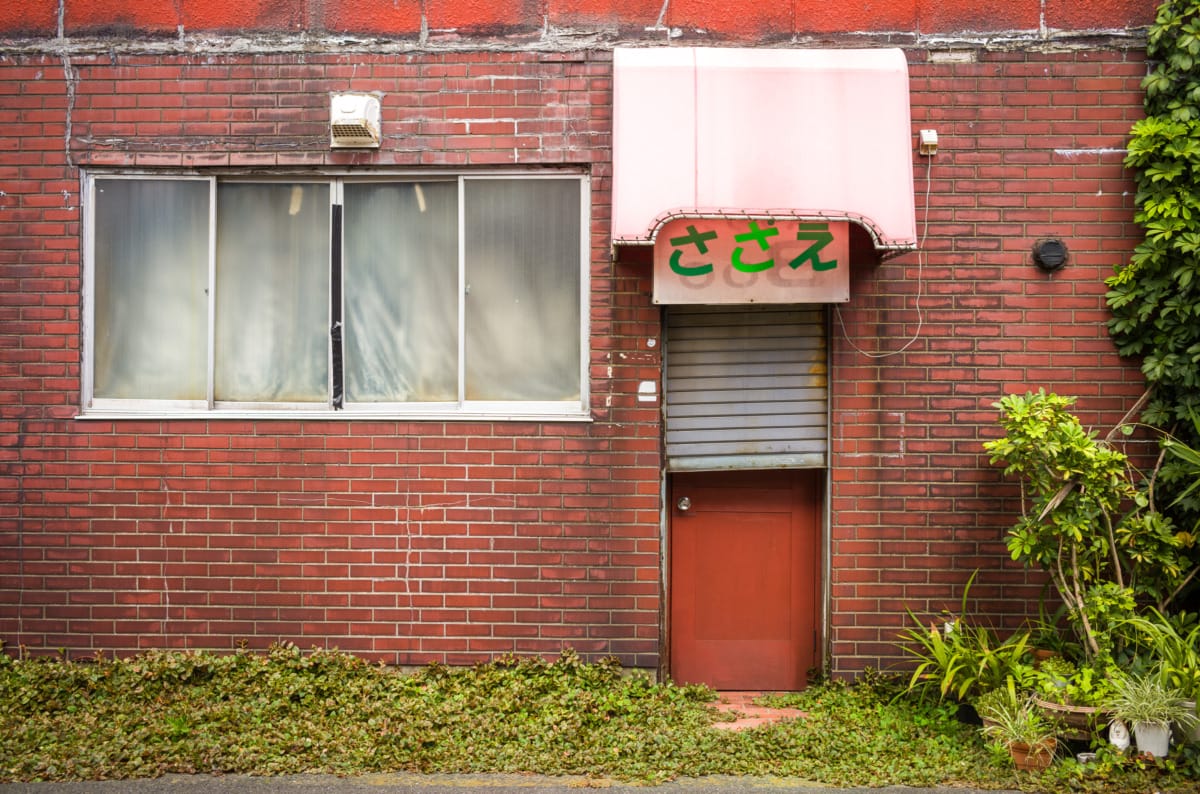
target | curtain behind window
x=151, y=281
x=523, y=279
x=272, y=308
x=401, y=292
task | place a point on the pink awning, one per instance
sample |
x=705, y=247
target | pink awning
x=762, y=133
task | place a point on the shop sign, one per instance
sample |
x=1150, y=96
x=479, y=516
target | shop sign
x=751, y=260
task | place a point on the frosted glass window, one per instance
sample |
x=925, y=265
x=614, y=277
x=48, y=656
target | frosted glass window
x=272, y=308
x=415, y=296
x=522, y=291
x=401, y=291
x=151, y=279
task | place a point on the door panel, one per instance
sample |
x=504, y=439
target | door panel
x=744, y=567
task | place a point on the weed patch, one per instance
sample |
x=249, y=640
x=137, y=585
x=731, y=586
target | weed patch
x=324, y=711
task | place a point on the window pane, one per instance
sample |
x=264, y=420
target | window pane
x=523, y=274
x=272, y=323
x=151, y=277
x=401, y=291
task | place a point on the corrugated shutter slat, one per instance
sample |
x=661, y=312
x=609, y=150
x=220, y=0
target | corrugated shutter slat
x=744, y=386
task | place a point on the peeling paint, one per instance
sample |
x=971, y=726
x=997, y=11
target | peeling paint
x=662, y=15
x=954, y=56
x=70, y=77
x=1098, y=152
x=554, y=39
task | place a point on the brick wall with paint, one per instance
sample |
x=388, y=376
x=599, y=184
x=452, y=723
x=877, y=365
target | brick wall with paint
x=1030, y=147
x=412, y=541
x=450, y=540
x=742, y=20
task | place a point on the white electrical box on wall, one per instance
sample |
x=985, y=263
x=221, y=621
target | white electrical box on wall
x=929, y=143
x=354, y=121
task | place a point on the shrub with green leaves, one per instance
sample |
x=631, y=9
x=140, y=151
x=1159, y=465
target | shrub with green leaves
x=1155, y=297
x=1084, y=520
x=1172, y=649
x=958, y=659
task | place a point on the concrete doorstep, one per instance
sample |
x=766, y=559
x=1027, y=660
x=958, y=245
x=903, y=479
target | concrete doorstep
x=748, y=715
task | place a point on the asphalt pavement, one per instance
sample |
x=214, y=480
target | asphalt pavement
x=407, y=783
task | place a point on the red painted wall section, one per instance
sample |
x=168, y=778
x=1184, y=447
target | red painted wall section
x=231, y=15
x=166, y=16
x=737, y=20
x=120, y=16
x=1073, y=15
x=937, y=16
x=388, y=17
x=631, y=14
x=814, y=16
x=29, y=17
x=484, y=16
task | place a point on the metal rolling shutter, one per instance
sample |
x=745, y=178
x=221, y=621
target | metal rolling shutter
x=745, y=388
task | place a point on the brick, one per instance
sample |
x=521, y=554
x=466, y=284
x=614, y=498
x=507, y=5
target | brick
x=335, y=531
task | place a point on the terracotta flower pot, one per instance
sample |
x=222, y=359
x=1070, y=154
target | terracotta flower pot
x=1032, y=757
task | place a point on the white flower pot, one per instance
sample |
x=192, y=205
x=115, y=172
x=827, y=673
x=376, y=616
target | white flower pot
x=1152, y=738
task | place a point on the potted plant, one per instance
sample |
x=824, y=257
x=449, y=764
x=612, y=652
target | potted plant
x=1002, y=698
x=1054, y=674
x=1073, y=697
x=1150, y=708
x=1050, y=636
x=1174, y=643
x=1021, y=728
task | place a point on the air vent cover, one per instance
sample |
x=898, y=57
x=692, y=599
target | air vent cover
x=354, y=121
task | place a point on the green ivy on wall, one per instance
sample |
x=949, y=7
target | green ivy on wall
x=1155, y=297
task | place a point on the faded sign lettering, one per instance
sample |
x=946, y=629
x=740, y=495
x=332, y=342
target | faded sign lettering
x=751, y=260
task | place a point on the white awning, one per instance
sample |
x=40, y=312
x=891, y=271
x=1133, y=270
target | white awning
x=762, y=133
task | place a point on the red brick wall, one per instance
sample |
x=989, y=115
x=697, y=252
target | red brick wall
x=457, y=540
x=409, y=541
x=751, y=20
x=1031, y=147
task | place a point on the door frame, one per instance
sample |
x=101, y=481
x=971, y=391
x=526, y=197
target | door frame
x=825, y=563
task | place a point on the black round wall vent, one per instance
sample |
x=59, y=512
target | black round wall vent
x=1049, y=255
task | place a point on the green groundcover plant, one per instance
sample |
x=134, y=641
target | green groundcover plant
x=285, y=711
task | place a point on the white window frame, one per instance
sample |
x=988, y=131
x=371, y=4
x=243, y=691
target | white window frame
x=108, y=408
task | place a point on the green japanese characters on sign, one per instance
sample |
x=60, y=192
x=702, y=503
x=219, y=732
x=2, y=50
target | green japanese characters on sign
x=751, y=260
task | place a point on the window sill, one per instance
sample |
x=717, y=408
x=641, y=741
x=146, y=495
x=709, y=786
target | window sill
x=511, y=414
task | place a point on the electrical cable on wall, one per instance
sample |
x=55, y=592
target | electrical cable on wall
x=920, y=280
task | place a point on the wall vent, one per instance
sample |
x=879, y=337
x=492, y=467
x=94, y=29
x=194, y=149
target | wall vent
x=354, y=121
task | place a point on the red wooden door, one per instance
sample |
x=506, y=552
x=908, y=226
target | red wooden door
x=745, y=578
